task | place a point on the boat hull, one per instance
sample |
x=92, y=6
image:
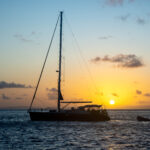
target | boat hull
x=63, y=116
x=140, y=118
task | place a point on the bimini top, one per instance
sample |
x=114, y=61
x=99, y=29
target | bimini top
x=90, y=106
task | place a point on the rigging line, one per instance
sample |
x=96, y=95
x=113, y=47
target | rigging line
x=44, y=63
x=65, y=106
x=81, y=53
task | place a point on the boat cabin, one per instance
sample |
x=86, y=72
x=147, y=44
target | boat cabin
x=90, y=107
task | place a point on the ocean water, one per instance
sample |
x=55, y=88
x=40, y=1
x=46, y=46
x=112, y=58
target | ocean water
x=123, y=132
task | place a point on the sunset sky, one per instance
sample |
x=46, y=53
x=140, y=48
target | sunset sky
x=106, y=52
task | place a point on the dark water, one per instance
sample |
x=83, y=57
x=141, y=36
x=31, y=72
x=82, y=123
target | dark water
x=122, y=132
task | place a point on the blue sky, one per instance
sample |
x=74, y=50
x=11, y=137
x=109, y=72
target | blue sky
x=102, y=27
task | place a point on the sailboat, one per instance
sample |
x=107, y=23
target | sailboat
x=82, y=113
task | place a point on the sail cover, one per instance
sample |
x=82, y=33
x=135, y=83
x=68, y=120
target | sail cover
x=61, y=97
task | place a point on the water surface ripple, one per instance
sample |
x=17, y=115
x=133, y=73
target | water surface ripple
x=123, y=132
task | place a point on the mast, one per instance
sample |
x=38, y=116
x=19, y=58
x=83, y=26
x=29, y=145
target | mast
x=60, y=55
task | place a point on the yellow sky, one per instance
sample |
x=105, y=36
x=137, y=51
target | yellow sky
x=113, y=39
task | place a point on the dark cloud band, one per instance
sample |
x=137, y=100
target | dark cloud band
x=122, y=60
x=4, y=84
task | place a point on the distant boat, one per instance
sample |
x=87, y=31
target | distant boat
x=82, y=113
x=140, y=118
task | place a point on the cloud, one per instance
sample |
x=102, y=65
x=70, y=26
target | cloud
x=138, y=20
x=4, y=84
x=105, y=37
x=96, y=59
x=122, y=60
x=115, y=94
x=147, y=94
x=52, y=93
x=52, y=89
x=138, y=92
x=116, y=2
x=22, y=38
x=27, y=38
x=33, y=33
x=124, y=17
x=141, y=21
x=4, y=97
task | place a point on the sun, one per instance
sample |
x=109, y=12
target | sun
x=112, y=102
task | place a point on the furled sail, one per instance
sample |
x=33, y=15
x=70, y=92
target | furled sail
x=61, y=97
